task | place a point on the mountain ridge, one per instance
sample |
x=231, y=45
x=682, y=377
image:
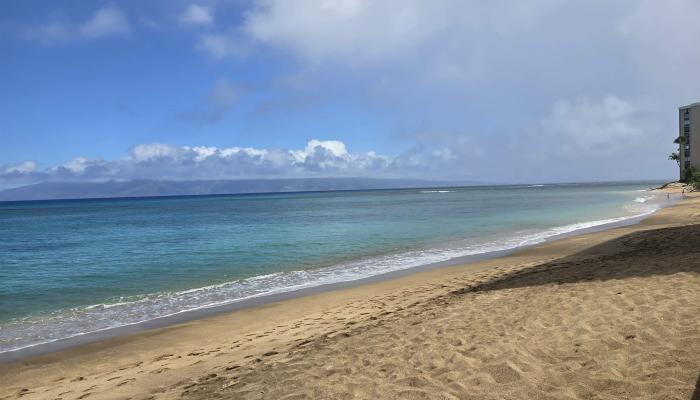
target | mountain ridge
x=156, y=188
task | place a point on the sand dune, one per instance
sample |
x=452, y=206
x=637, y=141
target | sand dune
x=609, y=315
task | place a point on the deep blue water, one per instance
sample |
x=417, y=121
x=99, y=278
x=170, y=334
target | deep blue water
x=76, y=266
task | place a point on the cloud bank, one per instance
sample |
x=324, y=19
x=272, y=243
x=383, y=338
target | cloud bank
x=319, y=158
x=504, y=91
x=588, y=86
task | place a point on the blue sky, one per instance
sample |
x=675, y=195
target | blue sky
x=501, y=91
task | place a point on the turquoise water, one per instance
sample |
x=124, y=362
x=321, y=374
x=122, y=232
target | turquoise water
x=76, y=266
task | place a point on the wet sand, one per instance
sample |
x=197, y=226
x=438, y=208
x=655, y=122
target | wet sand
x=610, y=315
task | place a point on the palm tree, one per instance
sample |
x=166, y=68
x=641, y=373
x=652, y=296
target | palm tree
x=680, y=156
x=675, y=157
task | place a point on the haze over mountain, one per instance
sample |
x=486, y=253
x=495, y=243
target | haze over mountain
x=147, y=188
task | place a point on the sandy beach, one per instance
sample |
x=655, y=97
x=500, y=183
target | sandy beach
x=606, y=315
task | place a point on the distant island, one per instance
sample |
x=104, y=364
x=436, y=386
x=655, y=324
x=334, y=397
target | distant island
x=151, y=188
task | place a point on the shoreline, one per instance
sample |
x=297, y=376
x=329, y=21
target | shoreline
x=283, y=295
x=165, y=361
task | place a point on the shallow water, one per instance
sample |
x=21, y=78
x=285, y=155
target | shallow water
x=75, y=266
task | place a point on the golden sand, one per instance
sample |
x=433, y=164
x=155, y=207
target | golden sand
x=607, y=315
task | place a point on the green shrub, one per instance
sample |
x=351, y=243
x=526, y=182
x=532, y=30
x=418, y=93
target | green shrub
x=688, y=175
x=694, y=178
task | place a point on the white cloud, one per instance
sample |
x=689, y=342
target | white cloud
x=456, y=43
x=18, y=174
x=197, y=15
x=106, y=21
x=502, y=86
x=353, y=31
x=589, y=138
x=319, y=158
x=25, y=167
x=584, y=127
x=366, y=33
x=335, y=148
x=154, y=151
x=79, y=164
x=589, y=84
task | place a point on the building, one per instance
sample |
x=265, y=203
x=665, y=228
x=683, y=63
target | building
x=689, y=137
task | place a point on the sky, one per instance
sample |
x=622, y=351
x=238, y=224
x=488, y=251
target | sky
x=489, y=91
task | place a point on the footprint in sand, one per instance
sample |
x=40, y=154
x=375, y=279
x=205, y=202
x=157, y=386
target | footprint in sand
x=162, y=357
x=132, y=365
x=125, y=382
x=160, y=370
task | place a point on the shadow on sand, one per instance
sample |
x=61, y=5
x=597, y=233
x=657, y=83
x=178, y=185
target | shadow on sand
x=639, y=254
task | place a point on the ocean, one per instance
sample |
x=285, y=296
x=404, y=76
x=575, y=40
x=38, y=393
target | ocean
x=71, y=267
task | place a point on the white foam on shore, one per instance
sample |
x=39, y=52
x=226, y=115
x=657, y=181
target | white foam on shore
x=643, y=199
x=34, y=330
